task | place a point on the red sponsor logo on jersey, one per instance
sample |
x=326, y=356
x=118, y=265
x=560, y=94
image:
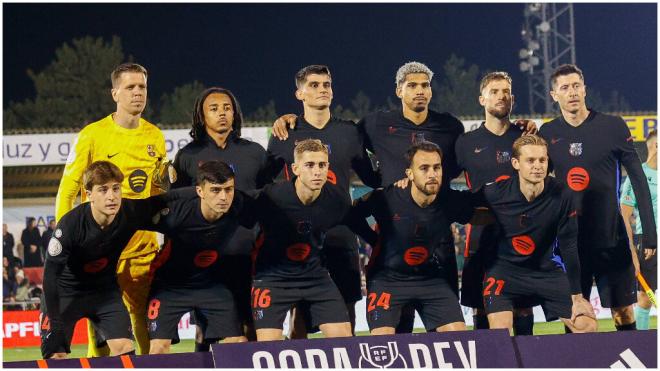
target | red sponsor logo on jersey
x=298, y=252
x=572, y=213
x=205, y=258
x=501, y=178
x=96, y=265
x=577, y=179
x=416, y=255
x=524, y=245
x=332, y=177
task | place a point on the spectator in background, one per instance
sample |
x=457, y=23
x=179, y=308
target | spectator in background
x=31, y=240
x=22, y=286
x=45, y=238
x=7, y=241
x=8, y=285
x=459, y=245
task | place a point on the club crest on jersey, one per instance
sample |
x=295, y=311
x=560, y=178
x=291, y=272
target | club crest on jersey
x=304, y=227
x=502, y=157
x=150, y=150
x=417, y=138
x=575, y=149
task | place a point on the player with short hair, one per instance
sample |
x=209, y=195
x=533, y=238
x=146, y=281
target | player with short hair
x=407, y=265
x=295, y=217
x=189, y=275
x=587, y=149
x=216, y=133
x=484, y=154
x=538, y=219
x=82, y=255
x=647, y=261
x=346, y=152
x=137, y=147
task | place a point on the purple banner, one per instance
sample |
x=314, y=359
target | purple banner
x=622, y=349
x=177, y=360
x=465, y=349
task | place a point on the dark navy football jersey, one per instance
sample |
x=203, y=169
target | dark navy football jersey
x=195, y=246
x=486, y=157
x=538, y=235
x=345, y=152
x=588, y=160
x=288, y=249
x=412, y=241
x=389, y=135
x=248, y=161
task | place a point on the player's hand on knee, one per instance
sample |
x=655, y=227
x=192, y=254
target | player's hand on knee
x=528, y=126
x=280, y=126
x=402, y=183
x=581, y=307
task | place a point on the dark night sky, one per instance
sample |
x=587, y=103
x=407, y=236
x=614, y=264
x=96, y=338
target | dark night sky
x=255, y=49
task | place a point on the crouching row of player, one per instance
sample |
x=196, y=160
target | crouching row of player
x=535, y=215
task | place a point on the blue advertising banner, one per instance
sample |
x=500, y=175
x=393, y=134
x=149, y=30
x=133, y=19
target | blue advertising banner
x=466, y=349
x=623, y=349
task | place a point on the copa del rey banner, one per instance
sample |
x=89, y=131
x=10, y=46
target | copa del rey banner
x=466, y=349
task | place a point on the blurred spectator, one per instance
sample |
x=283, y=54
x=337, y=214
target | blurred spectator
x=45, y=238
x=31, y=240
x=22, y=292
x=8, y=286
x=7, y=242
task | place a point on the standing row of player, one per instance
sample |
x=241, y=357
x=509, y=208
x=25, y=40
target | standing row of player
x=216, y=134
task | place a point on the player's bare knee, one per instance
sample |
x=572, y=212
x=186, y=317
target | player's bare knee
x=120, y=346
x=336, y=330
x=454, y=326
x=383, y=331
x=235, y=339
x=159, y=347
x=58, y=356
x=269, y=334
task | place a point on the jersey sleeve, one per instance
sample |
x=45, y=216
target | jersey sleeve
x=567, y=234
x=627, y=194
x=157, y=186
x=180, y=164
x=633, y=165
x=264, y=174
x=76, y=164
x=57, y=254
x=361, y=164
x=275, y=162
x=247, y=214
x=357, y=216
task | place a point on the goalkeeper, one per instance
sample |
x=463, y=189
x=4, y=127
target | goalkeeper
x=137, y=147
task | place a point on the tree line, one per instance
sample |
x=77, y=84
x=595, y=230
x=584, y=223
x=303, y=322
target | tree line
x=72, y=91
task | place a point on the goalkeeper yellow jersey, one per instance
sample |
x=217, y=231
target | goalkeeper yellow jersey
x=137, y=152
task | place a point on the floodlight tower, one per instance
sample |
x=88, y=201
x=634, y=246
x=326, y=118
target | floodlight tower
x=549, y=41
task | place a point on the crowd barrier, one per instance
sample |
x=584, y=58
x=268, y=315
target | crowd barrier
x=467, y=349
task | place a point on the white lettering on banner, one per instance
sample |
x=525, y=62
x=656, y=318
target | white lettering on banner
x=310, y=354
x=262, y=355
x=378, y=356
x=22, y=328
x=293, y=355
